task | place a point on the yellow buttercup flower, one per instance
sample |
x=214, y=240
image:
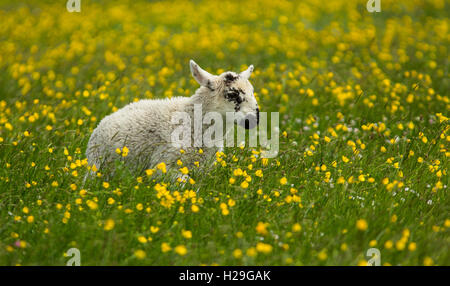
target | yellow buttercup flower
x=296, y=227
x=109, y=225
x=237, y=253
x=181, y=250
x=165, y=247
x=361, y=224
x=161, y=166
x=263, y=247
x=140, y=254
x=261, y=228
x=186, y=234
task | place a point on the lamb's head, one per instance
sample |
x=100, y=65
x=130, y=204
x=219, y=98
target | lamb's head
x=230, y=92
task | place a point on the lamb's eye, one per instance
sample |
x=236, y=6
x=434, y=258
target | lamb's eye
x=233, y=96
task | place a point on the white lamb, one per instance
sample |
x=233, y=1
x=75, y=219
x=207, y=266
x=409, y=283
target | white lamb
x=145, y=127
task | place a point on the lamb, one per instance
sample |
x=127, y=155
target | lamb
x=145, y=128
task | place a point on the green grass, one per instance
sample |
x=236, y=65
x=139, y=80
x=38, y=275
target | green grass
x=388, y=71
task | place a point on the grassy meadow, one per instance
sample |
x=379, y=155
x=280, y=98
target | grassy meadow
x=364, y=153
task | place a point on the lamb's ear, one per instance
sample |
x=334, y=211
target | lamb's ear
x=246, y=74
x=203, y=77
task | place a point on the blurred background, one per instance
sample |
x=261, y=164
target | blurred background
x=363, y=100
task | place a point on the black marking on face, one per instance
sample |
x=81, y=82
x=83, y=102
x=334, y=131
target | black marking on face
x=229, y=78
x=233, y=95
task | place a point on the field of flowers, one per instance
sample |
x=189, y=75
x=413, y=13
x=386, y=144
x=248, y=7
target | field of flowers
x=364, y=133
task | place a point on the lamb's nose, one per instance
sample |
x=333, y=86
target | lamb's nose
x=247, y=124
x=249, y=121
